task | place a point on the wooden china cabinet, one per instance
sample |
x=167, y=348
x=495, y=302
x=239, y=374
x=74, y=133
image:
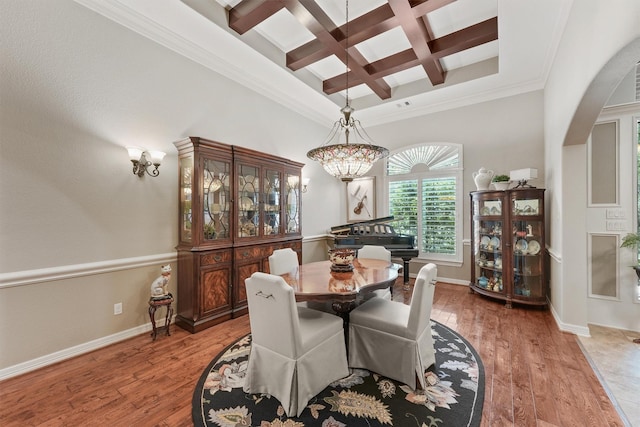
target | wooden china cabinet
x=507, y=245
x=236, y=206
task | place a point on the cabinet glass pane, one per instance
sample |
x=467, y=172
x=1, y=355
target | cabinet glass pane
x=488, y=254
x=271, y=188
x=487, y=207
x=527, y=257
x=525, y=207
x=216, y=197
x=186, y=175
x=248, y=201
x=292, y=204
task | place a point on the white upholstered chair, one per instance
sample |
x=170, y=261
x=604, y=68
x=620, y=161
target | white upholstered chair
x=283, y=261
x=295, y=352
x=377, y=252
x=394, y=339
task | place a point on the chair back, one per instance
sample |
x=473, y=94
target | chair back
x=273, y=314
x=422, y=300
x=374, y=252
x=283, y=261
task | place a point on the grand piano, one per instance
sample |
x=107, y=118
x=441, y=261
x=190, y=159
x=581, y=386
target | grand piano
x=377, y=232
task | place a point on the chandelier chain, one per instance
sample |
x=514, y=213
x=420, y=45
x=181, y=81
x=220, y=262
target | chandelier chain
x=346, y=48
x=346, y=160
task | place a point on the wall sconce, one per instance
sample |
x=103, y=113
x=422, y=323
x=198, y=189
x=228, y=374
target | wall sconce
x=305, y=182
x=141, y=164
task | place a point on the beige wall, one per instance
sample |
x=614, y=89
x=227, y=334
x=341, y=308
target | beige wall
x=78, y=231
x=585, y=72
x=57, y=318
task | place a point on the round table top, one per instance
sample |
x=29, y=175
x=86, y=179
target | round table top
x=316, y=282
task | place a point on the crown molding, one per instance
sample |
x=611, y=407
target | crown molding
x=285, y=90
x=233, y=59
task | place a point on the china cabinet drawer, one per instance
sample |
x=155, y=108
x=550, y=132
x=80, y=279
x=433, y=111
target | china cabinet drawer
x=215, y=258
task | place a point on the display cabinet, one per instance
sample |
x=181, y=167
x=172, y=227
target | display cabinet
x=507, y=245
x=236, y=206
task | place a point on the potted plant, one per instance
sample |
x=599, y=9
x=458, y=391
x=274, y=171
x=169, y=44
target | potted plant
x=632, y=240
x=501, y=182
x=209, y=231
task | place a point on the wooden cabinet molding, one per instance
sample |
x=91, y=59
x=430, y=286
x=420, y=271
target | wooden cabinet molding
x=236, y=206
x=508, y=259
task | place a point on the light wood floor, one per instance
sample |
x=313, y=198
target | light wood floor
x=535, y=374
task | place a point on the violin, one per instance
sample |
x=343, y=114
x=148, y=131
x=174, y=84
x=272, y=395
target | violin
x=360, y=205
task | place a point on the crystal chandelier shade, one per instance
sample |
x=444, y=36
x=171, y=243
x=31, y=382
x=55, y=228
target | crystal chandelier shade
x=343, y=159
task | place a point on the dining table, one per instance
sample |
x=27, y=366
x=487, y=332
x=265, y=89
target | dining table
x=317, y=281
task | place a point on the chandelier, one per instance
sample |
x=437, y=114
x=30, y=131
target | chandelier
x=340, y=157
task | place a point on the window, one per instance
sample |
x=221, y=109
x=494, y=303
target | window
x=424, y=193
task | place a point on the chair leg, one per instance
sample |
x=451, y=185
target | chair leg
x=418, y=383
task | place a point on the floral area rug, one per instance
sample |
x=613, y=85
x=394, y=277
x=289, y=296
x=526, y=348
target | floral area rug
x=454, y=395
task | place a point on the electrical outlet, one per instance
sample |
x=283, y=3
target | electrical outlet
x=117, y=308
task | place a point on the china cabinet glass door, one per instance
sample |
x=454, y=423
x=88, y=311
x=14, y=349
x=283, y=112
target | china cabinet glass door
x=248, y=201
x=186, y=219
x=527, y=256
x=271, y=213
x=216, y=196
x=292, y=204
x=488, y=244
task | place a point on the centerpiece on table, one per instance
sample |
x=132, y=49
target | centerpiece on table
x=342, y=259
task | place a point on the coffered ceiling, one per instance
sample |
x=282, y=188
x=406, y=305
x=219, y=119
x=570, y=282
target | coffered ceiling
x=404, y=57
x=385, y=46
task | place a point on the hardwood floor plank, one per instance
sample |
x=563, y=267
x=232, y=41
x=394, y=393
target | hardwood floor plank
x=606, y=407
x=523, y=398
x=534, y=374
x=545, y=405
x=562, y=390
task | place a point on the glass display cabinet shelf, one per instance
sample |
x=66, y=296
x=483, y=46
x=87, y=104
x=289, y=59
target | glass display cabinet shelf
x=507, y=245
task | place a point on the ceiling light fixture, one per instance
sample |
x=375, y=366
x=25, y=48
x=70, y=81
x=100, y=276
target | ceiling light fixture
x=347, y=160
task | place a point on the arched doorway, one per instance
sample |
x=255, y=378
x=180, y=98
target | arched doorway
x=605, y=221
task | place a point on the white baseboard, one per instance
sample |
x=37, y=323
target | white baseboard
x=446, y=280
x=567, y=327
x=49, y=359
x=453, y=281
